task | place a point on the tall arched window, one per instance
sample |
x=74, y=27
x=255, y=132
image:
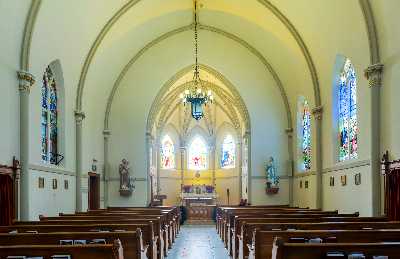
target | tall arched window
x=228, y=155
x=167, y=153
x=49, y=120
x=305, y=135
x=347, y=111
x=198, y=154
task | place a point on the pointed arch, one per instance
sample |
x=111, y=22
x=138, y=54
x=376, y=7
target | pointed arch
x=345, y=109
x=228, y=152
x=304, y=134
x=198, y=154
x=167, y=153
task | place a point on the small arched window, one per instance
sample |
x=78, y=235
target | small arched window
x=198, y=154
x=304, y=134
x=228, y=153
x=347, y=111
x=49, y=118
x=167, y=153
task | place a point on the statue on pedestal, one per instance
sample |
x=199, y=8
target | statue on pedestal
x=272, y=177
x=126, y=182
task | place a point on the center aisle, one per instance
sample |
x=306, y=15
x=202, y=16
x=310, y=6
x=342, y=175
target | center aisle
x=198, y=242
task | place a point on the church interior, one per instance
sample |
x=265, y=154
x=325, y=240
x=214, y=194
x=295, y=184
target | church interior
x=238, y=129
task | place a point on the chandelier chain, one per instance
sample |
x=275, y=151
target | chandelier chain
x=196, y=43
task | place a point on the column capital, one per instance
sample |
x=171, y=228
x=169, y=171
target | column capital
x=79, y=117
x=374, y=73
x=317, y=112
x=26, y=81
x=289, y=132
x=106, y=133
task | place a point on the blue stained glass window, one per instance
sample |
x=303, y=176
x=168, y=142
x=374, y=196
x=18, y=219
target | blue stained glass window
x=348, y=125
x=49, y=118
x=167, y=153
x=228, y=155
x=198, y=154
x=305, y=136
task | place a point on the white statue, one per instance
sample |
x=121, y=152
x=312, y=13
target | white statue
x=271, y=173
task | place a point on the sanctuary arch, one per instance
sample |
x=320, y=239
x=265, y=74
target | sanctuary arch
x=193, y=155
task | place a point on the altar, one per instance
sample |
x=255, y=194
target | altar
x=199, y=201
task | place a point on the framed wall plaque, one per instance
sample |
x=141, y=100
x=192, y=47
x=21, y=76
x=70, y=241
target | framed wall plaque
x=357, y=179
x=41, y=182
x=54, y=184
x=301, y=184
x=66, y=184
x=343, y=180
x=306, y=184
x=332, y=181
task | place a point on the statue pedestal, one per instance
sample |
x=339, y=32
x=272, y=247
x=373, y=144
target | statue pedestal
x=125, y=192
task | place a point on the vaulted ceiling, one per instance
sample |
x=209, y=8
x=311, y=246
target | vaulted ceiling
x=98, y=42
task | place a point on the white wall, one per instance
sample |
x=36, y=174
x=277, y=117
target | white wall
x=11, y=34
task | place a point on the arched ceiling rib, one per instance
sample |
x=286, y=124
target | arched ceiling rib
x=208, y=28
x=129, y=5
x=249, y=11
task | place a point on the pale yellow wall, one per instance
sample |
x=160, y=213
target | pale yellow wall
x=11, y=35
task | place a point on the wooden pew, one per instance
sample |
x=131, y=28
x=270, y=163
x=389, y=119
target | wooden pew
x=131, y=240
x=262, y=244
x=107, y=251
x=147, y=228
x=284, y=250
x=238, y=230
x=145, y=235
x=159, y=237
x=230, y=228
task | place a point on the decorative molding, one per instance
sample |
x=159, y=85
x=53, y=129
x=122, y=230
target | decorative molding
x=26, y=81
x=336, y=168
x=28, y=32
x=106, y=133
x=262, y=177
x=114, y=179
x=346, y=166
x=79, y=117
x=317, y=112
x=374, y=75
x=51, y=169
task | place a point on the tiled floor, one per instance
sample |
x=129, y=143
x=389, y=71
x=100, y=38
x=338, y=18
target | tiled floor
x=198, y=242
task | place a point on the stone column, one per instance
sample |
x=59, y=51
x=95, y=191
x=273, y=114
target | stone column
x=150, y=173
x=212, y=161
x=106, y=172
x=317, y=112
x=289, y=133
x=183, y=151
x=239, y=164
x=247, y=139
x=26, y=81
x=79, y=117
x=374, y=75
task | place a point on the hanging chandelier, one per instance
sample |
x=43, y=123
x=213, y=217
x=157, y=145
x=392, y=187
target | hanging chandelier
x=197, y=94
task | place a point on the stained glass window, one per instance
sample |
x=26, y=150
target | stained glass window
x=167, y=153
x=305, y=136
x=228, y=152
x=49, y=121
x=198, y=154
x=348, y=126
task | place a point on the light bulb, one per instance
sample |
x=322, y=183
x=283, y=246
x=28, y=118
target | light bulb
x=198, y=90
x=181, y=96
x=186, y=91
x=209, y=93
